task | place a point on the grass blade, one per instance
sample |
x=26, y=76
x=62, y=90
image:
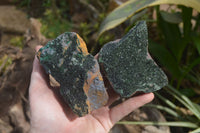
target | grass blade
x=196, y=131
x=166, y=109
x=172, y=124
x=185, y=101
x=168, y=102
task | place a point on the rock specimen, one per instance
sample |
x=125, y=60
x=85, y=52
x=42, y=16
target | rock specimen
x=125, y=63
x=128, y=66
x=67, y=60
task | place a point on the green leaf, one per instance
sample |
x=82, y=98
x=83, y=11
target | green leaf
x=165, y=58
x=187, y=25
x=196, y=131
x=129, y=8
x=173, y=124
x=167, y=101
x=174, y=107
x=185, y=101
x=196, y=106
x=188, y=92
x=197, y=43
x=172, y=36
x=138, y=15
x=193, y=78
x=163, y=108
x=175, y=18
x=190, y=67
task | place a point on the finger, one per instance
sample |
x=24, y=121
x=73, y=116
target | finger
x=123, y=109
x=38, y=74
x=36, y=64
x=102, y=116
x=39, y=79
x=96, y=56
x=38, y=47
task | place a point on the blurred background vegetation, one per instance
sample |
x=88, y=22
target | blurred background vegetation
x=174, y=43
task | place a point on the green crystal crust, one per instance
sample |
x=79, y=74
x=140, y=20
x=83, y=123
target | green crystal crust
x=66, y=59
x=128, y=66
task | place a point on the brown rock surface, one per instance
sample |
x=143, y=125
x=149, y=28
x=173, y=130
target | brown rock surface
x=13, y=20
x=14, y=80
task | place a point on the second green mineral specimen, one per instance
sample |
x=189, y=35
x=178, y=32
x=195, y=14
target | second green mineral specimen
x=67, y=60
x=128, y=66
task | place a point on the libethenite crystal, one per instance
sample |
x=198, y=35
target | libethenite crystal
x=67, y=60
x=128, y=66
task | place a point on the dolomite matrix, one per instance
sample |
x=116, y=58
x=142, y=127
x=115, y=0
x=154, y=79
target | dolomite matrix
x=67, y=60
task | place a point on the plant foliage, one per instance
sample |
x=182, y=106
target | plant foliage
x=131, y=7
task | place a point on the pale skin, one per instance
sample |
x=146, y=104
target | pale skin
x=49, y=114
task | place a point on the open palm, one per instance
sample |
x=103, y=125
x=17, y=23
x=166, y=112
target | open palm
x=50, y=115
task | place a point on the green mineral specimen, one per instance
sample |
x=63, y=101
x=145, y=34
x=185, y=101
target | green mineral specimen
x=67, y=60
x=128, y=65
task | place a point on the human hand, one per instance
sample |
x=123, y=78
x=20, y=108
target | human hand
x=50, y=115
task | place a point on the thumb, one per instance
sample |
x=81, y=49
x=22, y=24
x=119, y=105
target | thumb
x=38, y=76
